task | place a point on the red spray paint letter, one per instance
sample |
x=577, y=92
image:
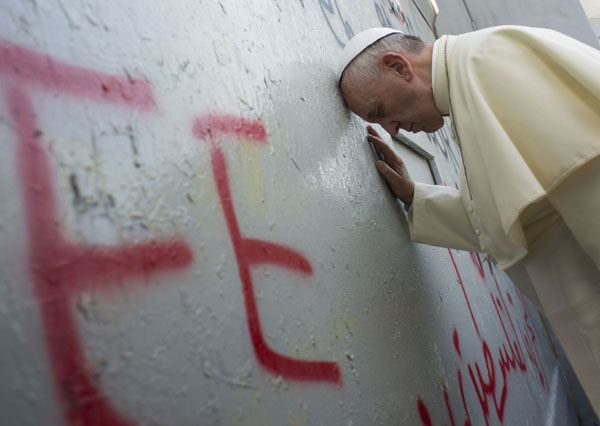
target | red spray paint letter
x=250, y=252
x=488, y=385
x=59, y=268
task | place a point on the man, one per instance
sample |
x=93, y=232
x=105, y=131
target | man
x=524, y=105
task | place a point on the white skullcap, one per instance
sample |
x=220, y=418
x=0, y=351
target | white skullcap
x=360, y=42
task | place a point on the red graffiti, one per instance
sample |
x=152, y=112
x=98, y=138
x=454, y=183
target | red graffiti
x=510, y=356
x=424, y=413
x=61, y=269
x=477, y=264
x=456, y=342
x=462, y=286
x=250, y=252
x=462, y=397
x=26, y=66
x=398, y=10
x=448, y=405
x=219, y=125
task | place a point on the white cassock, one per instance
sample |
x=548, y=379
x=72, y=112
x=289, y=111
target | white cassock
x=525, y=110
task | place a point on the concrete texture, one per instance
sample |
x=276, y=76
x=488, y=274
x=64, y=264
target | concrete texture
x=568, y=17
x=193, y=232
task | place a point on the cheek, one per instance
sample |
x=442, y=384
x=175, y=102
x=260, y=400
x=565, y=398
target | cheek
x=416, y=108
x=431, y=114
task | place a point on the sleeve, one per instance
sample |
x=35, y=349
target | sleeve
x=577, y=199
x=439, y=218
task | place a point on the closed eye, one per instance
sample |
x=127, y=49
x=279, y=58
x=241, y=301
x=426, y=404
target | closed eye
x=377, y=113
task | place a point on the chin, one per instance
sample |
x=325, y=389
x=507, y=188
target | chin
x=433, y=128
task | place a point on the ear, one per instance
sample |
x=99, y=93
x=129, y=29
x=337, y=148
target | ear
x=399, y=64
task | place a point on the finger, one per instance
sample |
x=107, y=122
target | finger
x=391, y=177
x=375, y=136
x=399, y=185
x=384, y=169
x=388, y=173
x=387, y=150
x=372, y=130
x=376, y=139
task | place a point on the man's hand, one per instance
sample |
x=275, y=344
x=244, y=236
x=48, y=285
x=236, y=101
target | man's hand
x=393, y=169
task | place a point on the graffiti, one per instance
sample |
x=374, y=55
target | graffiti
x=423, y=412
x=443, y=141
x=393, y=6
x=477, y=264
x=249, y=252
x=35, y=69
x=60, y=269
x=327, y=10
x=383, y=19
x=395, y=9
x=330, y=9
x=517, y=347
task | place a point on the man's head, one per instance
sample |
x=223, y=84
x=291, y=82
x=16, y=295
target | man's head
x=389, y=82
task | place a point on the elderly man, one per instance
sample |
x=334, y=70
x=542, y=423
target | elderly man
x=524, y=105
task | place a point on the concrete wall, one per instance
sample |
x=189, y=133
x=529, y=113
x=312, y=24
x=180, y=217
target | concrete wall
x=193, y=232
x=568, y=17
x=592, y=10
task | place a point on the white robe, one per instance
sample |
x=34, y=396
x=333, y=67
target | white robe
x=525, y=109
